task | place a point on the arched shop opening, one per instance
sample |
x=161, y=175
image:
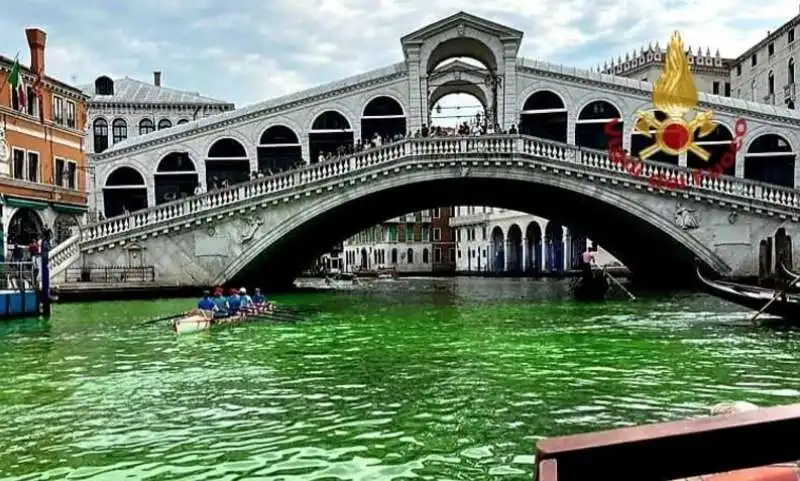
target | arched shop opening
x=64, y=227
x=459, y=112
x=24, y=227
x=383, y=119
x=514, y=248
x=498, y=250
x=278, y=150
x=770, y=159
x=643, y=141
x=544, y=115
x=592, y=122
x=124, y=191
x=577, y=246
x=175, y=178
x=533, y=246
x=716, y=145
x=554, y=247
x=226, y=163
x=330, y=135
x=364, y=259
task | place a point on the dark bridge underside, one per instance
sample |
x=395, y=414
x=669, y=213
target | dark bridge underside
x=653, y=256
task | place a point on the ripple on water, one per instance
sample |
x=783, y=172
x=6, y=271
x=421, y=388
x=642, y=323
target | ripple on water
x=447, y=383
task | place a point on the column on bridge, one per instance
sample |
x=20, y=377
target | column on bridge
x=524, y=260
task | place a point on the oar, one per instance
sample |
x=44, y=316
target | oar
x=633, y=298
x=164, y=318
x=775, y=298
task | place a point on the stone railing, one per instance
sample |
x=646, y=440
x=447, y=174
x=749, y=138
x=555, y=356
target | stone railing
x=514, y=147
x=62, y=255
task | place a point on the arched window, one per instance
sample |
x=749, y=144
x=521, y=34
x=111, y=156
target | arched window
x=425, y=256
x=164, y=124
x=104, y=86
x=119, y=129
x=100, y=135
x=771, y=83
x=394, y=256
x=146, y=126
x=790, y=71
x=410, y=255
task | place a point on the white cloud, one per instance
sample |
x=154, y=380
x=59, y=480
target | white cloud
x=249, y=50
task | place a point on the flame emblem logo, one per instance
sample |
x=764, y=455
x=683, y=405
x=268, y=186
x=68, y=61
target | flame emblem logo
x=675, y=94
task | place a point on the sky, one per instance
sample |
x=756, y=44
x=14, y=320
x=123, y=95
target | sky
x=246, y=51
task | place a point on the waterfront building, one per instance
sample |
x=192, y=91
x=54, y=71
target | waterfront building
x=126, y=108
x=416, y=243
x=43, y=178
x=498, y=240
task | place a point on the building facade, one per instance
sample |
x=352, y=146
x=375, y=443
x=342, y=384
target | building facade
x=43, y=174
x=415, y=243
x=497, y=240
x=123, y=109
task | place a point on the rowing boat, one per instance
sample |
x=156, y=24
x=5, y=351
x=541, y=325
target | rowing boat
x=786, y=306
x=199, y=320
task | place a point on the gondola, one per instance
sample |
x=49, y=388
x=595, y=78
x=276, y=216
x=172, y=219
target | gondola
x=753, y=297
x=790, y=274
x=590, y=289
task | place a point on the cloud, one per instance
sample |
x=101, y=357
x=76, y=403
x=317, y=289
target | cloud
x=249, y=50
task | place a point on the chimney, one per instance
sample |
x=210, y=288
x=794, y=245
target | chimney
x=157, y=78
x=36, y=41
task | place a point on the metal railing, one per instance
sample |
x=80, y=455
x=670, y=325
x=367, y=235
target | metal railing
x=111, y=274
x=19, y=275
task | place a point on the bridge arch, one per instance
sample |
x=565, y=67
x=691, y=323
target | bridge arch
x=544, y=114
x=384, y=116
x=124, y=190
x=278, y=149
x=227, y=163
x=24, y=227
x=602, y=213
x=175, y=178
x=770, y=158
x=592, y=121
x=461, y=46
x=514, y=248
x=533, y=246
x=330, y=134
x=554, y=247
x=498, y=241
x=718, y=143
x=458, y=87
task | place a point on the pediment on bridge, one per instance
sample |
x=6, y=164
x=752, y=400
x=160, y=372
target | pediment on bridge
x=460, y=22
x=458, y=67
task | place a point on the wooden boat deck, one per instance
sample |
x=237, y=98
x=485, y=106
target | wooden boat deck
x=704, y=449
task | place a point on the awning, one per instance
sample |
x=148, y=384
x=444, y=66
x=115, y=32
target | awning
x=25, y=203
x=69, y=209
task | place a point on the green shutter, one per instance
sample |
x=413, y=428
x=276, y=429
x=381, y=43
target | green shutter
x=69, y=209
x=25, y=203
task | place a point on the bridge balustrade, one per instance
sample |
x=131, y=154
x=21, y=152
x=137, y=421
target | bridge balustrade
x=515, y=147
x=111, y=274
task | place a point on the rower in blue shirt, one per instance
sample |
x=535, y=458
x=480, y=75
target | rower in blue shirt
x=206, y=303
x=234, y=301
x=258, y=298
x=220, y=303
x=246, y=302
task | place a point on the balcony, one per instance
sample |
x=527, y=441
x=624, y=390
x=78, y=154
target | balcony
x=42, y=192
x=470, y=219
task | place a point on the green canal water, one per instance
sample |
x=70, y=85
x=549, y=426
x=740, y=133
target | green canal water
x=434, y=379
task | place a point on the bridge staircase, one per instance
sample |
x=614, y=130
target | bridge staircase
x=446, y=152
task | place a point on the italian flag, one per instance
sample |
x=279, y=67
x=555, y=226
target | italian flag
x=15, y=80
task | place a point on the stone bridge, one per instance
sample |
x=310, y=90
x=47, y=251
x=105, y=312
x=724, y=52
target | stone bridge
x=266, y=230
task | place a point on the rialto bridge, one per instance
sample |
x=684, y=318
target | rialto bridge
x=555, y=167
